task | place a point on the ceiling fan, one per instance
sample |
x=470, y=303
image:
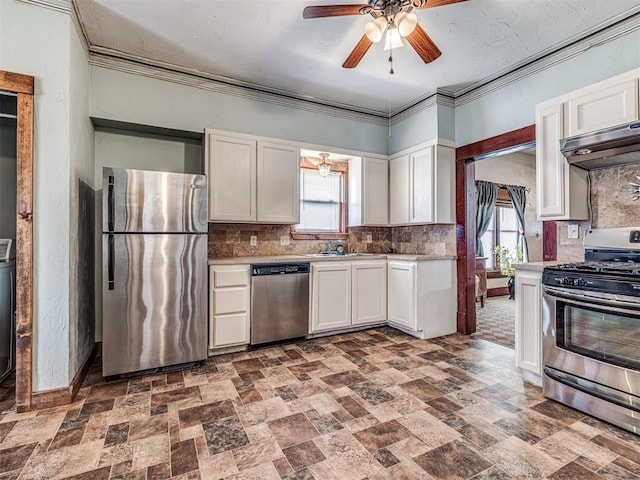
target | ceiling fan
x=394, y=17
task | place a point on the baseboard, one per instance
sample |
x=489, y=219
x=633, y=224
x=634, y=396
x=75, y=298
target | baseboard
x=64, y=395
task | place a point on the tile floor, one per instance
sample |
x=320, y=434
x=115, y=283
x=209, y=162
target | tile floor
x=496, y=321
x=374, y=404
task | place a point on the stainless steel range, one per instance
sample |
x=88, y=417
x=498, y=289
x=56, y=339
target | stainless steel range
x=591, y=328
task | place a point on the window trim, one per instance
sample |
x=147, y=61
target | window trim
x=343, y=234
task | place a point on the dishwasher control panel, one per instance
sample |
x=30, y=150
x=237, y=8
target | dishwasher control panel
x=279, y=268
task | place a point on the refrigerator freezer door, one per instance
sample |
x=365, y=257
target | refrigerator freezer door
x=144, y=201
x=155, y=303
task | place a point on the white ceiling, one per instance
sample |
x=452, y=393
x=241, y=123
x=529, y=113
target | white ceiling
x=267, y=43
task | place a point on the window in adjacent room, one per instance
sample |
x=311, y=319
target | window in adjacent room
x=503, y=229
x=322, y=200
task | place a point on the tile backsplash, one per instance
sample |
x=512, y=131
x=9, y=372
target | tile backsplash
x=233, y=240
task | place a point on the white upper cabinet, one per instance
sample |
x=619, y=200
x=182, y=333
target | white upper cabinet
x=422, y=186
x=251, y=180
x=368, y=192
x=278, y=182
x=231, y=171
x=605, y=104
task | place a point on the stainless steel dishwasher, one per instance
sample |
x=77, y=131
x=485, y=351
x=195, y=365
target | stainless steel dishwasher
x=279, y=301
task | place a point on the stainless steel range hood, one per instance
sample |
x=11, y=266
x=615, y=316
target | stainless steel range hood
x=606, y=148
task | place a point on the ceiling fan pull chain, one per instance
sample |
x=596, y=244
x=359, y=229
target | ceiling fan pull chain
x=391, y=62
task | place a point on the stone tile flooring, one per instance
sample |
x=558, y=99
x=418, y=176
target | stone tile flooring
x=496, y=321
x=374, y=404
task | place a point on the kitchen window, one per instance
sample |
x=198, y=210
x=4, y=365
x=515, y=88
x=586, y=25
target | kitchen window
x=503, y=229
x=322, y=202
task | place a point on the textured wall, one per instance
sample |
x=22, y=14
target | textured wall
x=232, y=240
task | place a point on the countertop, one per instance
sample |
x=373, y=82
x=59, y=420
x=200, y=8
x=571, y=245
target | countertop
x=323, y=258
x=534, y=266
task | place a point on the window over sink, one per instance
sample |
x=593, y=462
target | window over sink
x=323, y=214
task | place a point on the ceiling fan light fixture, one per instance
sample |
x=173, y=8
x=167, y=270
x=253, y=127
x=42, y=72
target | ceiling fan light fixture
x=324, y=167
x=407, y=23
x=375, y=29
x=393, y=39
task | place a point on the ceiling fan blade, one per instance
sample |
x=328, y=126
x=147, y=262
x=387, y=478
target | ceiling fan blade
x=318, y=11
x=434, y=3
x=357, y=53
x=423, y=45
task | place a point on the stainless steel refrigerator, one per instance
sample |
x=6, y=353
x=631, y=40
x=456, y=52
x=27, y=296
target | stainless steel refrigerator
x=7, y=317
x=154, y=269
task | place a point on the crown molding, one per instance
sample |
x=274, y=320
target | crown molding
x=115, y=60
x=435, y=97
x=59, y=5
x=601, y=34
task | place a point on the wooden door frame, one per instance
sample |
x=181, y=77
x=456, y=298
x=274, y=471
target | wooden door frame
x=465, y=216
x=23, y=86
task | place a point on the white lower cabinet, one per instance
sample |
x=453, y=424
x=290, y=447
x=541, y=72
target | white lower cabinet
x=528, y=338
x=229, y=305
x=369, y=292
x=422, y=296
x=345, y=294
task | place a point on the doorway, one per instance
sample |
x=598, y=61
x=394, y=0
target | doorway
x=466, y=157
x=21, y=87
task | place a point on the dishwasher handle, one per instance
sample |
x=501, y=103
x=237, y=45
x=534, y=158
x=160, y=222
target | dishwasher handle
x=266, y=269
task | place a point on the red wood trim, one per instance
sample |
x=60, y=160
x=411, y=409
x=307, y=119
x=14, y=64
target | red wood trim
x=16, y=83
x=465, y=219
x=499, y=142
x=549, y=241
x=24, y=252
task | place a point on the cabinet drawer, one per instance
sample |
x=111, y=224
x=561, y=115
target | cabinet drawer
x=230, y=278
x=230, y=329
x=230, y=300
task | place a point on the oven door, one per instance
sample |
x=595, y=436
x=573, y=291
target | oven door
x=592, y=336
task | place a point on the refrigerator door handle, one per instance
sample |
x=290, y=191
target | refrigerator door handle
x=111, y=263
x=110, y=204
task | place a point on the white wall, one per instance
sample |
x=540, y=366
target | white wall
x=517, y=169
x=81, y=209
x=512, y=106
x=436, y=121
x=139, y=99
x=35, y=41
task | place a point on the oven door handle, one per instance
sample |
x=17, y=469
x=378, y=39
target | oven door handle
x=612, y=304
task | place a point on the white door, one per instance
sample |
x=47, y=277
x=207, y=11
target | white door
x=369, y=301
x=528, y=334
x=278, y=179
x=399, y=190
x=401, y=288
x=375, y=192
x=330, y=295
x=551, y=166
x=602, y=107
x=231, y=171
x=421, y=186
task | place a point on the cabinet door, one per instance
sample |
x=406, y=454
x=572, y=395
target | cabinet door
x=369, y=301
x=278, y=179
x=602, y=107
x=330, y=295
x=421, y=186
x=401, y=288
x=551, y=166
x=528, y=334
x=231, y=170
x=399, y=190
x=375, y=192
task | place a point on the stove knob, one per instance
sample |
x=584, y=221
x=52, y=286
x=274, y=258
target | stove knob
x=578, y=282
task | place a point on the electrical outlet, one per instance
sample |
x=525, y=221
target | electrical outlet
x=284, y=240
x=369, y=238
x=572, y=231
x=253, y=240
